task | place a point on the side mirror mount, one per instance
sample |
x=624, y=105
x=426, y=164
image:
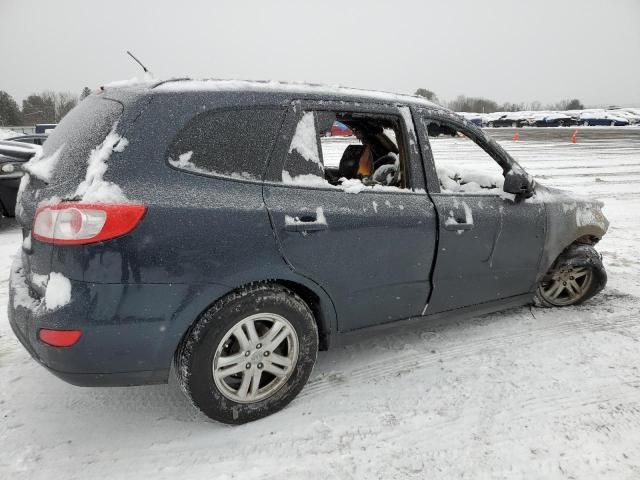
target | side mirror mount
x=519, y=183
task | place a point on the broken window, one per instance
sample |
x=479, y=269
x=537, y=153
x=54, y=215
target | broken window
x=347, y=150
x=462, y=165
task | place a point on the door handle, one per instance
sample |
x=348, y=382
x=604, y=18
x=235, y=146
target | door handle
x=458, y=226
x=304, y=224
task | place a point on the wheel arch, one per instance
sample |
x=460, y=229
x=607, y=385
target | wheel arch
x=313, y=295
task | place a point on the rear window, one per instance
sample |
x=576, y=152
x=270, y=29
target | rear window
x=80, y=131
x=233, y=143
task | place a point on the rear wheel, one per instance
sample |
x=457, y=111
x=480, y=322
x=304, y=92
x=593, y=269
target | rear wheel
x=249, y=355
x=576, y=276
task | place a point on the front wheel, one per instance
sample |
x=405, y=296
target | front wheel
x=576, y=276
x=249, y=355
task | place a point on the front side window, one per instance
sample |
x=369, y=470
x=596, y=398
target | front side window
x=232, y=143
x=461, y=164
x=347, y=150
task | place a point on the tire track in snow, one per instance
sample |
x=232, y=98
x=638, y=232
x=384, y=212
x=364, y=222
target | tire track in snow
x=401, y=364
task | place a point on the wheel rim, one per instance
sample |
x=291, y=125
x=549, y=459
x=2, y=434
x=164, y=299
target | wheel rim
x=566, y=286
x=255, y=358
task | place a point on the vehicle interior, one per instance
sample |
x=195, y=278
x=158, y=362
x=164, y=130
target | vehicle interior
x=377, y=158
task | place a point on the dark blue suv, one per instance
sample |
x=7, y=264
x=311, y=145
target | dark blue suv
x=217, y=227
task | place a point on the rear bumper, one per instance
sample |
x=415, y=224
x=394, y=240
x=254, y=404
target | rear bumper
x=129, y=332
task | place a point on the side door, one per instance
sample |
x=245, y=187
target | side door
x=371, y=249
x=490, y=243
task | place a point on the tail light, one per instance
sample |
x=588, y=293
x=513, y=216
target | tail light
x=71, y=223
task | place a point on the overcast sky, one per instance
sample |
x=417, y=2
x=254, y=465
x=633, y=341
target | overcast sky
x=516, y=51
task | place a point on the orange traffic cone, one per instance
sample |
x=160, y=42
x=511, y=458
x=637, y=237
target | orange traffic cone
x=516, y=137
x=574, y=137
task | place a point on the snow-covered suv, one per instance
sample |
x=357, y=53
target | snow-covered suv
x=218, y=227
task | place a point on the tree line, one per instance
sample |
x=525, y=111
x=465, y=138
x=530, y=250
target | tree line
x=463, y=103
x=44, y=107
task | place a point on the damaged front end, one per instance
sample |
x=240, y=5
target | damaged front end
x=571, y=220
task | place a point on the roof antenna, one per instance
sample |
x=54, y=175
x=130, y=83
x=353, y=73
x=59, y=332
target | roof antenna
x=146, y=70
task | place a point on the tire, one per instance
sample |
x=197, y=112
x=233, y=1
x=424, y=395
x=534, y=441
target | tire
x=576, y=276
x=215, y=346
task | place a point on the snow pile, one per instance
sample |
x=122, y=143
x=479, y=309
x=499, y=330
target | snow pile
x=6, y=133
x=184, y=161
x=352, y=185
x=456, y=180
x=94, y=188
x=58, y=292
x=42, y=167
x=304, y=140
x=306, y=180
x=57, y=288
x=146, y=80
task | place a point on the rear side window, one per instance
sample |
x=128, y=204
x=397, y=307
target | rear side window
x=232, y=143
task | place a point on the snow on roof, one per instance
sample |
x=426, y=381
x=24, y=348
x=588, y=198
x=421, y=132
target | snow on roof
x=215, y=85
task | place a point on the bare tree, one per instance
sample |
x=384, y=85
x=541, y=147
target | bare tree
x=428, y=94
x=86, y=91
x=64, y=102
x=473, y=104
x=535, y=105
x=47, y=106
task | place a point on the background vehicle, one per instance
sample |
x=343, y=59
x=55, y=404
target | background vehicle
x=599, y=118
x=552, y=119
x=510, y=119
x=13, y=153
x=278, y=251
x=36, y=139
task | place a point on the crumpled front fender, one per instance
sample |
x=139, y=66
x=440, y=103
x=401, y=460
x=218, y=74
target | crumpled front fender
x=569, y=218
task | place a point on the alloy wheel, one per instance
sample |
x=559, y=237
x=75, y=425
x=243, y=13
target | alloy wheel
x=255, y=358
x=566, y=286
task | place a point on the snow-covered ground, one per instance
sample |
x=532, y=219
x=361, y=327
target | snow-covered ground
x=527, y=393
x=6, y=133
